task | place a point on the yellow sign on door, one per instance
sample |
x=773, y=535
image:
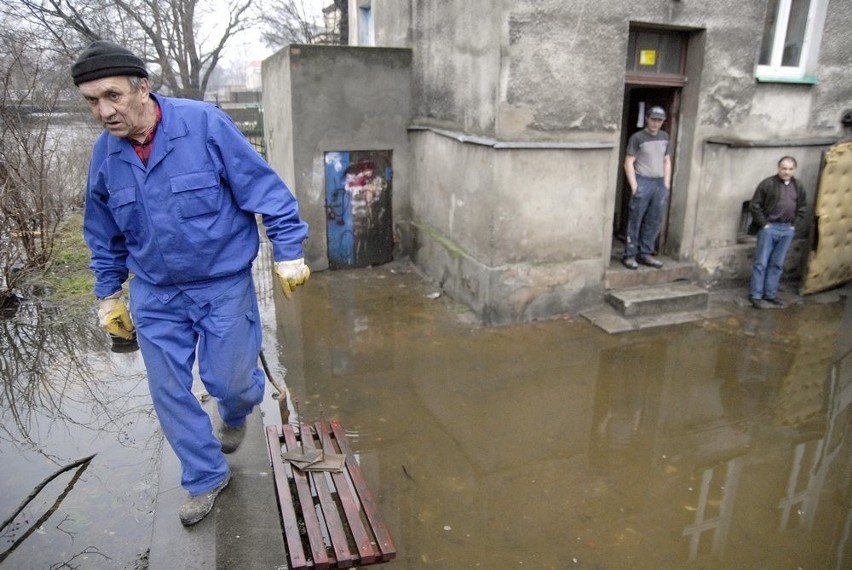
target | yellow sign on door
x=647, y=57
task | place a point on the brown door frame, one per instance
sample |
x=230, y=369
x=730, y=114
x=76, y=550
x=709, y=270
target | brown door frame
x=662, y=89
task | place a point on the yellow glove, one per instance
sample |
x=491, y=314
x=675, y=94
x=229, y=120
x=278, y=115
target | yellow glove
x=291, y=274
x=114, y=317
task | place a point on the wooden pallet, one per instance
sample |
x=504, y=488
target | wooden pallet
x=330, y=520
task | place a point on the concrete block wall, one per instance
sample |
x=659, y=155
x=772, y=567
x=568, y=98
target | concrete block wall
x=320, y=99
x=731, y=171
x=515, y=233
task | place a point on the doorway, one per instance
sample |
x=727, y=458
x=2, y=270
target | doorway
x=655, y=74
x=637, y=100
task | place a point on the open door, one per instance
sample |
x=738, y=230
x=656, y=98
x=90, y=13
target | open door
x=637, y=100
x=829, y=261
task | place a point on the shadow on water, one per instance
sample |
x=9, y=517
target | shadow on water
x=717, y=444
x=79, y=445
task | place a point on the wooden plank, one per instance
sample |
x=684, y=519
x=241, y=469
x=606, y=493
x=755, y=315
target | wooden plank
x=295, y=552
x=371, y=510
x=337, y=534
x=352, y=508
x=306, y=500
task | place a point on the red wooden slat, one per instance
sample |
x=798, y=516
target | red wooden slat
x=352, y=507
x=355, y=510
x=295, y=551
x=336, y=532
x=371, y=510
x=309, y=514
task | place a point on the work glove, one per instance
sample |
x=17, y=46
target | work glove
x=114, y=317
x=291, y=274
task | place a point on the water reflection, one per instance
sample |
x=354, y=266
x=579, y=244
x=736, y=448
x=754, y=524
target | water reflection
x=720, y=444
x=553, y=444
x=66, y=397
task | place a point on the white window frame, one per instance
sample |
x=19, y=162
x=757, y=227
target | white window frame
x=803, y=72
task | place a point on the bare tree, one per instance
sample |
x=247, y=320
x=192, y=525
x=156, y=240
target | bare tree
x=169, y=34
x=288, y=21
x=39, y=183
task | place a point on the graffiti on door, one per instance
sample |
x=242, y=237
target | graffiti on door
x=359, y=224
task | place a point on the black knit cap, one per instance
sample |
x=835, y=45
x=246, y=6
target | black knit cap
x=106, y=59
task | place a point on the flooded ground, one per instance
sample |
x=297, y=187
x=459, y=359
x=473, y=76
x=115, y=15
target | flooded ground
x=716, y=444
x=719, y=444
x=67, y=398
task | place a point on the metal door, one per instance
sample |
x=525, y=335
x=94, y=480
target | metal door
x=359, y=224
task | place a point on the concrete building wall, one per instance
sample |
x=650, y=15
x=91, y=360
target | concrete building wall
x=457, y=60
x=516, y=119
x=320, y=99
x=489, y=76
x=278, y=119
x=511, y=231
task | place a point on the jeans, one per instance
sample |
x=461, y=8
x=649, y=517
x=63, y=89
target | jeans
x=773, y=242
x=647, y=206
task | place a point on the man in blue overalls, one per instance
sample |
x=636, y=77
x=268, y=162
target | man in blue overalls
x=172, y=194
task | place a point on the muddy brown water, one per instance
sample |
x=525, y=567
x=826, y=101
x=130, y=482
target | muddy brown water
x=714, y=444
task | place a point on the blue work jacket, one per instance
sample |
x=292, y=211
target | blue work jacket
x=189, y=215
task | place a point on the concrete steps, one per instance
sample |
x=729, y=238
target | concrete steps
x=647, y=297
x=657, y=299
x=619, y=277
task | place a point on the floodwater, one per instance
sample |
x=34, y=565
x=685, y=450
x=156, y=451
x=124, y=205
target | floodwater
x=715, y=444
x=65, y=398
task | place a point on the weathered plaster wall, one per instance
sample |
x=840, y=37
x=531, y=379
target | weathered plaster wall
x=506, y=230
x=539, y=194
x=456, y=61
x=486, y=197
x=278, y=118
x=333, y=98
x=559, y=63
x=833, y=91
x=730, y=175
x=392, y=25
x=552, y=72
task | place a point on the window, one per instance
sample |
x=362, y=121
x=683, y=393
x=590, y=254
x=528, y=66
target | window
x=791, y=39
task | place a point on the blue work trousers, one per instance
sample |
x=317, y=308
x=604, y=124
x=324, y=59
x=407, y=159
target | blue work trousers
x=218, y=324
x=645, y=216
x=773, y=242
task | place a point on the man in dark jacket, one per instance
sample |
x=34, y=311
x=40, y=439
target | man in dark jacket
x=777, y=209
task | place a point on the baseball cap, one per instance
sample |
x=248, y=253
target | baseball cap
x=657, y=113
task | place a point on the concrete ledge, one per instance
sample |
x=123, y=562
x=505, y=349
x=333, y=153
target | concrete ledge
x=772, y=143
x=508, y=293
x=529, y=145
x=243, y=530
